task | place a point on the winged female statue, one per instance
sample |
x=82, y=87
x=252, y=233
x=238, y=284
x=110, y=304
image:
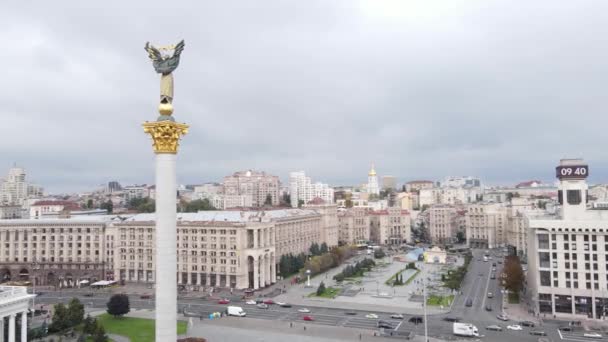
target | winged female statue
x=165, y=64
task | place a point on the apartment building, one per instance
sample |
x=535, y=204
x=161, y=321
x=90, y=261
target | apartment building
x=353, y=226
x=329, y=220
x=486, y=225
x=303, y=190
x=391, y=226
x=442, y=223
x=258, y=185
x=417, y=185
x=568, y=252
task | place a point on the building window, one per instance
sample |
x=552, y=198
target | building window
x=573, y=196
x=545, y=278
x=543, y=241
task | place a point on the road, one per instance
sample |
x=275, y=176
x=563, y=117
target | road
x=476, y=286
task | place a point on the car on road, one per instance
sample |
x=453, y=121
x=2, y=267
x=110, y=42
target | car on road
x=451, y=319
x=480, y=274
x=514, y=327
x=303, y=310
x=527, y=324
x=371, y=315
x=500, y=262
x=89, y=294
x=145, y=296
x=251, y=302
x=416, y=320
x=285, y=305
x=469, y=302
x=350, y=313
x=502, y=317
x=494, y=327
x=488, y=307
x=280, y=303
x=538, y=333
x=223, y=301
x=493, y=269
x=490, y=295
x=493, y=276
x=268, y=301
x=592, y=335
x=308, y=318
x=385, y=325
x=262, y=306
x=494, y=264
x=565, y=328
x=397, y=316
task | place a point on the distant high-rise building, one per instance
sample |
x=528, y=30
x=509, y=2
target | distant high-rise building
x=302, y=189
x=15, y=190
x=372, y=182
x=258, y=185
x=389, y=182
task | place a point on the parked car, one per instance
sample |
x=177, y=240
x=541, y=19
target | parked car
x=538, y=333
x=502, y=317
x=451, y=319
x=416, y=320
x=592, y=335
x=223, y=301
x=397, y=316
x=308, y=318
x=250, y=302
x=494, y=327
x=303, y=310
x=527, y=324
x=514, y=327
x=371, y=315
x=262, y=306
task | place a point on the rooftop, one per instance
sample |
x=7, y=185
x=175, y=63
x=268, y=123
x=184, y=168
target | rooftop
x=230, y=216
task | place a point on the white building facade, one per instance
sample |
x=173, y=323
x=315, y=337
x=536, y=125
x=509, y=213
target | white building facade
x=302, y=189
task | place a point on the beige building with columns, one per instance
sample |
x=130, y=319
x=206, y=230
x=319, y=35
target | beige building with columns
x=391, y=226
x=353, y=226
x=14, y=304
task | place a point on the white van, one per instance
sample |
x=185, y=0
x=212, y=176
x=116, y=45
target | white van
x=235, y=311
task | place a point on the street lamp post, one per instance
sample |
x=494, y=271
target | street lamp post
x=308, y=275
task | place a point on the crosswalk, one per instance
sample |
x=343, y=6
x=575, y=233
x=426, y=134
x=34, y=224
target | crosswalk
x=579, y=336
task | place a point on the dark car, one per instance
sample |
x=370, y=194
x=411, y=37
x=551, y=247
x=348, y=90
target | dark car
x=469, y=302
x=145, y=296
x=527, y=324
x=385, y=325
x=538, y=333
x=566, y=329
x=451, y=319
x=493, y=276
x=416, y=320
x=88, y=294
x=488, y=307
x=350, y=313
x=285, y=305
x=494, y=264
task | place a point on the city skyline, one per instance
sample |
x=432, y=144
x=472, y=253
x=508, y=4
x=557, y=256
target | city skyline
x=423, y=91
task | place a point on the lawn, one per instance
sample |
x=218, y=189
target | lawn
x=329, y=292
x=136, y=329
x=412, y=277
x=440, y=300
x=513, y=298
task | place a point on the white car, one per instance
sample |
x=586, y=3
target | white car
x=397, y=316
x=280, y=303
x=514, y=327
x=503, y=317
x=304, y=310
x=592, y=335
x=371, y=315
x=250, y=302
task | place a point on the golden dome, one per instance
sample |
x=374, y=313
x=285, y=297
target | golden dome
x=165, y=108
x=372, y=172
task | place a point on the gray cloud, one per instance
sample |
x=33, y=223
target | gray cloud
x=423, y=89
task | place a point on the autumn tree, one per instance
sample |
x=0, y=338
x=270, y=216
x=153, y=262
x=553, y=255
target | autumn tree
x=513, y=274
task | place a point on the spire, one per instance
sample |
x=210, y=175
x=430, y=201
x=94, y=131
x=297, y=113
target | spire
x=372, y=172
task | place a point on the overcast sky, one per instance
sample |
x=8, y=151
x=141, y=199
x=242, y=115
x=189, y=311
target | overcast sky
x=424, y=89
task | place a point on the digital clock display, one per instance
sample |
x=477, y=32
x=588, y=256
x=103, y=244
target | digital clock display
x=572, y=171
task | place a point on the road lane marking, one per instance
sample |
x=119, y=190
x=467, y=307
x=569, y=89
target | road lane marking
x=485, y=295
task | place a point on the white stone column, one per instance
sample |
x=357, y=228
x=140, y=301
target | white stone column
x=24, y=326
x=256, y=270
x=255, y=238
x=263, y=272
x=273, y=274
x=166, y=250
x=11, y=328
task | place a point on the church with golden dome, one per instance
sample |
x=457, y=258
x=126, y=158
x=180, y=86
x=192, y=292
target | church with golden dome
x=372, y=182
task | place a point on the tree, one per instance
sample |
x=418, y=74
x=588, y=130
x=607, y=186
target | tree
x=321, y=289
x=60, y=320
x=314, y=249
x=142, y=205
x=268, y=200
x=89, y=325
x=460, y=237
x=89, y=203
x=286, y=200
x=75, y=312
x=300, y=203
x=198, y=205
x=118, y=305
x=513, y=274
x=324, y=248
x=109, y=206
x=100, y=334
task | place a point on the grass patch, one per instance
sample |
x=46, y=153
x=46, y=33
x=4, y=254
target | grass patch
x=329, y=292
x=136, y=329
x=411, y=278
x=435, y=300
x=391, y=280
x=513, y=298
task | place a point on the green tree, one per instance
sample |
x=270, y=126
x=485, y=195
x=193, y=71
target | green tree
x=198, y=205
x=142, y=205
x=460, y=237
x=118, y=305
x=89, y=203
x=513, y=274
x=300, y=203
x=100, y=334
x=89, y=325
x=314, y=249
x=60, y=319
x=321, y=289
x=286, y=200
x=75, y=312
x=268, y=200
x=324, y=249
x=109, y=206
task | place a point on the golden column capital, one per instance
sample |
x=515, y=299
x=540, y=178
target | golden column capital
x=165, y=135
